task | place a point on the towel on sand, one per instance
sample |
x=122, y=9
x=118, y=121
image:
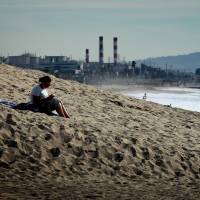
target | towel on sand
x=8, y=103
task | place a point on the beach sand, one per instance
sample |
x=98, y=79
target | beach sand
x=112, y=147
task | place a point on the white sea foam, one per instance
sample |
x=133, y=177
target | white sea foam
x=186, y=98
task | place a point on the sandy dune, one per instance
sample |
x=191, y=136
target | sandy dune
x=113, y=147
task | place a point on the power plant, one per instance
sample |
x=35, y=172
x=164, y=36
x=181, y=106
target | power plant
x=83, y=71
x=91, y=72
x=87, y=56
x=101, y=50
x=102, y=70
x=115, y=50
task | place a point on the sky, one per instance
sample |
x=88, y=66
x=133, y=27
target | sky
x=145, y=28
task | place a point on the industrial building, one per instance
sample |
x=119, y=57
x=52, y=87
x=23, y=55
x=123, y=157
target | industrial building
x=61, y=66
x=26, y=60
x=99, y=71
x=96, y=72
x=51, y=60
x=64, y=67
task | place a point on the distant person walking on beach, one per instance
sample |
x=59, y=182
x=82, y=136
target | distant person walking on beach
x=145, y=96
x=43, y=101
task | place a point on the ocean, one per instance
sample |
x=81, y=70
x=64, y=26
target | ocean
x=186, y=98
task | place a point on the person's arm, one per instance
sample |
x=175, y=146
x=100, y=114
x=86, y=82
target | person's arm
x=50, y=97
x=38, y=99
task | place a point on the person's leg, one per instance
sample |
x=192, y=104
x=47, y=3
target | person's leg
x=58, y=106
x=64, y=110
x=59, y=110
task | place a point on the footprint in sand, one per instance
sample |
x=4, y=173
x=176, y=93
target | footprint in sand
x=133, y=151
x=55, y=152
x=65, y=136
x=10, y=143
x=1, y=151
x=119, y=156
x=9, y=119
x=145, y=153
x=159, y=160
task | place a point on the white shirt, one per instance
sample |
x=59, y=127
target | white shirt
x=38, y=91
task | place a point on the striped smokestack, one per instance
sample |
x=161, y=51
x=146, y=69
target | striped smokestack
x=100, y=50
x=115, y=49
x=87, y=57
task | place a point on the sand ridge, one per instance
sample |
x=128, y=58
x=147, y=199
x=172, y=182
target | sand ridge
x=109, y=136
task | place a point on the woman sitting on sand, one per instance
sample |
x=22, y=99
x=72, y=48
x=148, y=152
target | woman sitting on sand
x=44, y=102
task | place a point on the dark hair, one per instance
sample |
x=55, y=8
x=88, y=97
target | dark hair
x=45, y=79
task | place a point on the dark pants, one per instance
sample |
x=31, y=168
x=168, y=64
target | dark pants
x=47, y=106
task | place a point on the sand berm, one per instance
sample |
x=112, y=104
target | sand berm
x=112, y=147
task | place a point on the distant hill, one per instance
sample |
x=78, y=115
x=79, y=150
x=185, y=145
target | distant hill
x=187, y=62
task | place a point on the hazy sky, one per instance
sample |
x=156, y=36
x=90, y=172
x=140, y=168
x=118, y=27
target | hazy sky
x=145, y=28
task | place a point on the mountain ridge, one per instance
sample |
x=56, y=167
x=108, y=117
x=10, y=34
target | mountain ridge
x=184, y=62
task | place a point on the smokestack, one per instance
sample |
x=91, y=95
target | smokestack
x=115, y=49
x=100, y=50
x=87, y=57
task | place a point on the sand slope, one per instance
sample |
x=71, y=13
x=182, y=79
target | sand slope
x=109, y=138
